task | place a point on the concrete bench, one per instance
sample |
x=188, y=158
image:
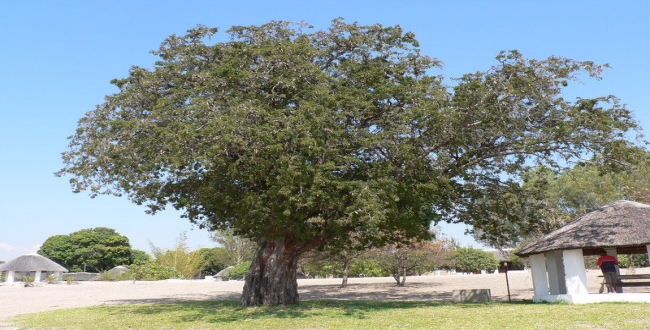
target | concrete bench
x=633, y=280
x=472, y=295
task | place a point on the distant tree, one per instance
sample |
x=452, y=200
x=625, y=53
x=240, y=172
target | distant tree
x=180, y=258
x=139, y=257
x=410, y=259
x=318, y=264
x=325, y=263
x=294, y=137
x=60, y=249
x=239, y=271
x=93, y=250
x=472, y=260
x=238, y=248
x=633, y=260
x=213, y=260
x=559, y=198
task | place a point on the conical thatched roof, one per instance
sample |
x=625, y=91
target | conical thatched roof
x=32, y=262
x=623, y=225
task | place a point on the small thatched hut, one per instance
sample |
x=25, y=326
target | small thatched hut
x=557, y=259
x=31, y=263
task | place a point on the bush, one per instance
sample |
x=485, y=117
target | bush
x=106, y=276
x=29, y=281
x=52, y=279
x=239, y=271
x=366, y=267
x=472, y=260
x=632, y=260
x=150, y=271
x=184, y=261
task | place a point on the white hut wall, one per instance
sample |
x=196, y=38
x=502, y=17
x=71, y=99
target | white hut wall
x=555, y=269
x=540, y=279
x=576, y=275
x=11, y=276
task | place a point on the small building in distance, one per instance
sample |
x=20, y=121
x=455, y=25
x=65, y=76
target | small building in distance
x=32, y=264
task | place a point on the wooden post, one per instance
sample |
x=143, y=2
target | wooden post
x=507, y=281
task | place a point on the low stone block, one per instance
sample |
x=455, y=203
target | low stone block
x=472, y=295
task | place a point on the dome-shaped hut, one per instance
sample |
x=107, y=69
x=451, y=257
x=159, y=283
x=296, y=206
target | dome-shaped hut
x=557, y=259
x=31, y=263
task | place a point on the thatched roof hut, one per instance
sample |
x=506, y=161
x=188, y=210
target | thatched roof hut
x=32, y=262
x=557, y=259
x=117, y=270
x=624, y=225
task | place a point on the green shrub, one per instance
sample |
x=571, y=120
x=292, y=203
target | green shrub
x=186, y=262
x=632, y=260
x=150, y=271
x=366, y=267
x=51, y=279
x=239, y=271
x=29, y=281
x=590, y=262
x=106, y=276
x=472, y=260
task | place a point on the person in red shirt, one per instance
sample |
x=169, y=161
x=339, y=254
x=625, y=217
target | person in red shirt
x=607, y=265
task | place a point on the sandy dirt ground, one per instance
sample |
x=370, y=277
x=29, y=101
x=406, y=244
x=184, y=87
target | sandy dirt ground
x=16, y=299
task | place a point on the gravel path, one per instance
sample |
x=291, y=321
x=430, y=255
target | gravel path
x=16, y=299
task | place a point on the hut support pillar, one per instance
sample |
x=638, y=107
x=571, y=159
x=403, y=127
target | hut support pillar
x=10, y=276
x=37, y=276
x=555, y=270
x=647, y=247
x=538, y=270
x=576, y=275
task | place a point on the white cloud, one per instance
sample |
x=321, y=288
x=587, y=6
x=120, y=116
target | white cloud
x=9, y=252
x=7, y=247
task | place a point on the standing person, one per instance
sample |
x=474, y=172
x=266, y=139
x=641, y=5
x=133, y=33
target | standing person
x=607, y=265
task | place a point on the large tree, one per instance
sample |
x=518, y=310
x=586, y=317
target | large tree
x=302, y=139
x=93, y=250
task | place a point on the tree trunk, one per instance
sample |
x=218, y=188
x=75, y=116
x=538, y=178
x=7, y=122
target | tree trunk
x=396, y=277
x=346, y=264
x=272, y=276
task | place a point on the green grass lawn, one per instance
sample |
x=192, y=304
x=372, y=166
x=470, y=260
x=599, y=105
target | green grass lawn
x=345, y=315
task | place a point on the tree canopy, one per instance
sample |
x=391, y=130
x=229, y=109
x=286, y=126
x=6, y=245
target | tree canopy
x=93, y=250
x=302, y=139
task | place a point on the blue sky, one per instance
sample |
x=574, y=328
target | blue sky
x=57, y=58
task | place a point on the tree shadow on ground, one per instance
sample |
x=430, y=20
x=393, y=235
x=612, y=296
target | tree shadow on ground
x=229, y=311
x=374, y=292
x=427, y=292
x=221, y=296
